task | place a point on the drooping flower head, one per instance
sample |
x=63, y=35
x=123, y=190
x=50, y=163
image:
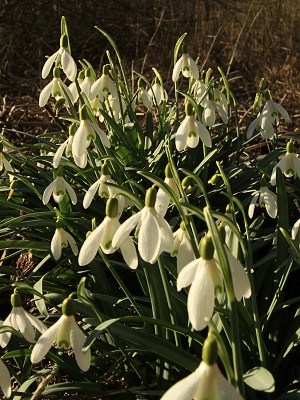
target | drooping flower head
x=186, y=65
x=5, y=382
x=157, y=92
x=143, y=96
x=21, y=321
x=67, y=334
x=265, y=198
x=163, y=198
x=58, y=189
x=61, y=239
x=206, y=382
x=149, y=224
x=182, y=248
x=102, y=237
x=289, y=164
x=204, y=276
x=104, y=85
x=190, y=131
x=62, y=59
x=54, y=89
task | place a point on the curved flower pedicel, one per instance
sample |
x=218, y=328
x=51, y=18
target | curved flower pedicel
x=186, y=65
x=5, y=383
x=149, y=225
x=206, y=382
x=190, y=131
x=102, y=237
x=58, y=188
x=265, y=198
x=21, y=321
x=289, y=164
x=85, y=133
x=204, y=276
x=67, y=334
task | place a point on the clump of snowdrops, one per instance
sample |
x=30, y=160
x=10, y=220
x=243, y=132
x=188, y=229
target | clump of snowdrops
x=155, y=234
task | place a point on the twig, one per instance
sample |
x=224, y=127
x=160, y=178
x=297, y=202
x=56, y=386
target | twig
x=41, y=387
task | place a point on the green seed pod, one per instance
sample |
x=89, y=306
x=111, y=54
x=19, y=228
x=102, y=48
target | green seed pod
x=15, y=300
x=263, y=181
x=188, y=109
x=60, y=102
x=210, y=350
x=84, y=113
x=56, y=72
x=68, y=307
x=105, y=169
x=221, y=229
x=105, y=69
x=206, y=247
x=72, y=129
x=64, y=41
x=168, y=172
x=290, y=148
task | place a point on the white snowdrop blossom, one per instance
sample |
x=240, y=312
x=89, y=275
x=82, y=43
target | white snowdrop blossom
x=295, y=229
x=204, y=276
x=20, y=320
x=182, y=248
x=102, y=237
x=163, y=198
x=5, y=382
x=61, y=239
x=65, y=147
x=157, y=92
x=143, y=96
x=104, y=190
x=186, y=65
x=190, y=131
x=62, y=58
x=54, y=89
x=267, y=119
x=289, y=164
x=206, y=382
x=67, y=334
x=87, y=84
x=58, y=189
x=5, y=166
x=265, y=198
x=149, y=225
x=104, y=85
x=85, y=133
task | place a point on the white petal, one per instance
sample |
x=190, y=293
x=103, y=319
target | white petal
x=48, y=191
x=177, y=69
x=149, y=239
x=72, y=243
x=45, y=342
x=48, y=64
x=104, y=139
x=204, y=134
x=77, y=341
x=270, y=201
x=240, y=279
x=59, y=152
x=184, y=389
x=109, y=230
x=187, y=274
x=79, y=140
x=282, y=111
x=194, y=68
x=5, y=336
x=295, y=229
x=56, y=245
x=162, y=202
x=209, y=114
x=225, y=389
x=90, y=194
x=201, y=298
x=185, y=254
x=91, y=245
x=24, y=325
x=252, y=205
x=181, y=135
x=5, y=380
x=71, y=192
x=129, y=253
x=68, y=65
x=254, y=124
x=166, y=234
x=125, y=229
x=35, y=322
x=45, y=94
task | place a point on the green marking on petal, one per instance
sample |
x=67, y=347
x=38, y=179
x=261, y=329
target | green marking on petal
x=192, y=133
x=63, y=344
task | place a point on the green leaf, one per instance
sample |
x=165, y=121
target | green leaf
x=261, y=379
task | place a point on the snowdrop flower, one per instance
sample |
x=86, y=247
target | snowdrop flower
x=61, y=58
x=149, y=225
x=163, y=199
x=295, y=229
x=206, y=382
x=157, y=92
x=65, y=147
x=186, y=65
x=239, y=277
x=58, y=189
x=143, y=96
x=86, y=84
x=182, y=248
x=190, y=130
x=204, y=276
x=102, y=237
x=61, y=239
x=67, y=334
x=73, y=87
x=289, y=164
x=5, y=166
x=104, y=190
x=265, y=198
x=21, y=321
x=85, y=133
x=104, y=85
x=54, y=89
x=5, y=383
